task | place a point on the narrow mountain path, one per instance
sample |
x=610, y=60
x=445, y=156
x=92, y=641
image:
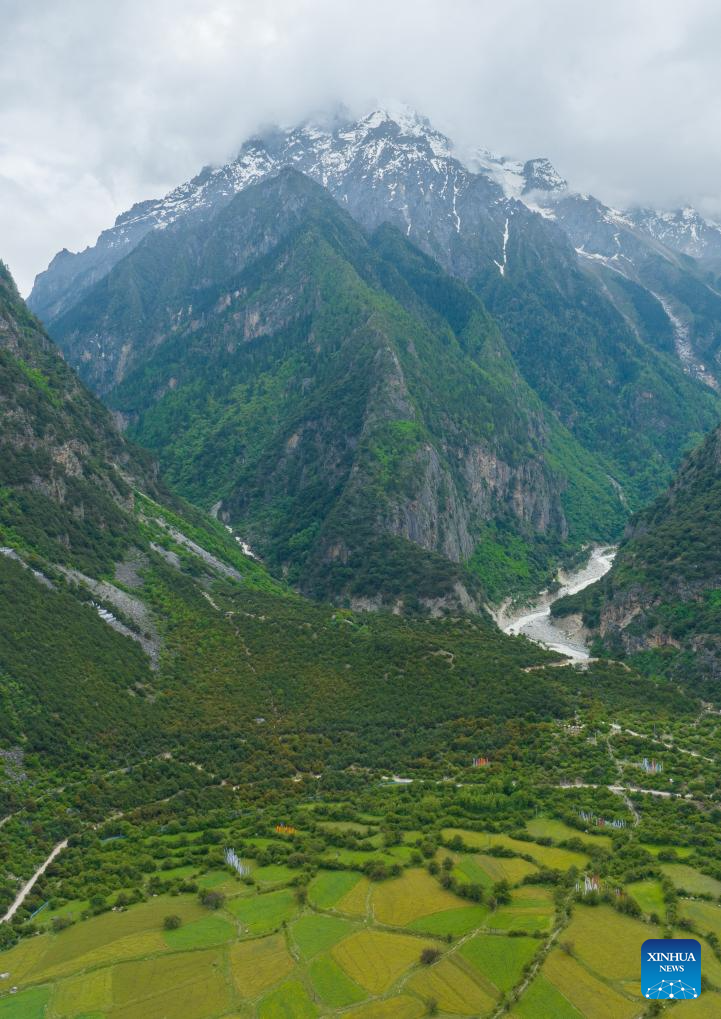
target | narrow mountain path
x=28, y=886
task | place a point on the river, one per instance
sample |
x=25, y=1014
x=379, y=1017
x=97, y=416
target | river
x=535, y=622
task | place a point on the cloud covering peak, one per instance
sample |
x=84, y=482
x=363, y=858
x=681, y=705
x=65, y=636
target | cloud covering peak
x=104, y=104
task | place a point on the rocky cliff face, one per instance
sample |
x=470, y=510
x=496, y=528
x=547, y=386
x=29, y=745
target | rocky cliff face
x=347, y=405
x=602, y=320
x=662, y=596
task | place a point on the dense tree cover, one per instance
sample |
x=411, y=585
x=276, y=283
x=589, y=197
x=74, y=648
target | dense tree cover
x=619, y=389
x=661, y=602
x=353, y=407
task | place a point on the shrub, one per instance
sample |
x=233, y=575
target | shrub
x=211, y=899
x=171, y=923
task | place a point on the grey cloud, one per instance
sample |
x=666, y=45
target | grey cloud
x=105, y=103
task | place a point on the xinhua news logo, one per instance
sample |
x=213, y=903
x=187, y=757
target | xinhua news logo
x=671, y=968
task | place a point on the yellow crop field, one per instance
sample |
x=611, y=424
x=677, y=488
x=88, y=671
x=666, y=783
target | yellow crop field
x=547, y=856
x=593, y=998
x=257, y=965
x=134, y=946
x=162, y=974
x=374, y=959
x=355, y=902
x=204, y=999
x=707, y=1006
x=131, y=934
x=400, y=1007
x=499, y=868
x=452, y=987
x=607, y=941
x=91, y=992
x=191, y=984
x=22, y=960
x=416, y=893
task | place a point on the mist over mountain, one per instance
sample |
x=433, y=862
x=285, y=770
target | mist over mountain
x=360, y=509
x=198, y=293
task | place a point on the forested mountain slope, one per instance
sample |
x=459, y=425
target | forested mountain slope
x=596, y=343
x=661, y=602
x=352, y=409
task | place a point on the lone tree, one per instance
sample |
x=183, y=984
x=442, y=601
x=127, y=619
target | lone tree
x=429, y=956
x=211, y=900
x=171, y=923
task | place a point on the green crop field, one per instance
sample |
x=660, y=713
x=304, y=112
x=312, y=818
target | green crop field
x=689, y=880
x=550, y=828
x=452, y=921
x=649, y=896
x=264, y=913
x=333, y=986
x=546, y=856
x=205, y=933
x=330, y=886
x=543, y=1000
x=289, y=1001
x=400, y=1007
x=706, y=916
x=499, y=959
x=315, y=934
x=530, y=909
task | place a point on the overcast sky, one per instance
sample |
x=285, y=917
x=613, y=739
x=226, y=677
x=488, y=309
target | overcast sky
x=106, y=102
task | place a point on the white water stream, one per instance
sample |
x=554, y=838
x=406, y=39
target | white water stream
x=559, y=635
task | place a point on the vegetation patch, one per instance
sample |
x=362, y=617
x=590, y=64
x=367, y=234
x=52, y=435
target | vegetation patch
x=690, y=880
x=499, y=959
x=262, y=914
x=211, y=930
x=531, y=908
x=455, y=922
x=289, y=1001
x=90, y=992
x=28, y=1005
x=543, y=1000
x=334, y=987
x=314, y=934
x=330, y=886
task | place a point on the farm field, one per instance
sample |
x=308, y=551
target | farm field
x=690, y=880
x=608, y=942
x=546, y=856
x=649, y=896
x=487, y=870
x=706, y=916
x=387, y=940
x=559, y=831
